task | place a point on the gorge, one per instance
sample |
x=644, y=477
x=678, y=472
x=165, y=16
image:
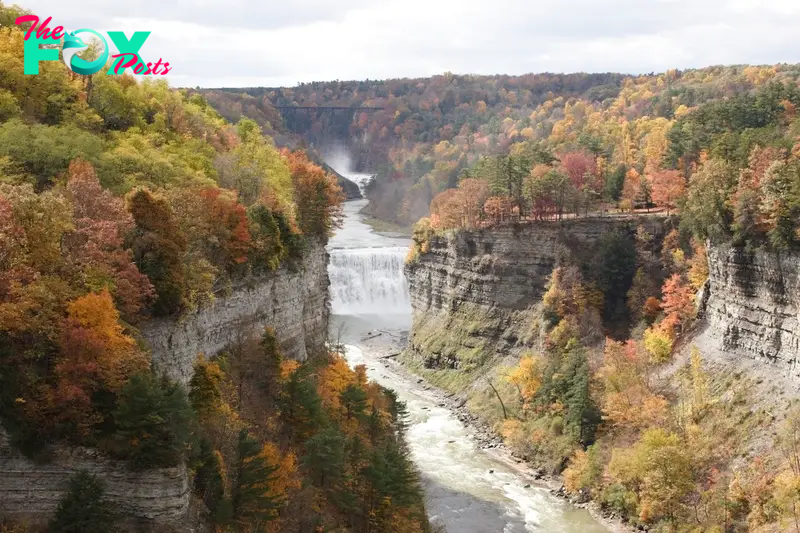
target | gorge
x=468, y=490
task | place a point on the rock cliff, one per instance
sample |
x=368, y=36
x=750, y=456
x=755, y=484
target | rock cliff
x=293, y=303
x=32, y=491
x=751, y=307
x=476, y=293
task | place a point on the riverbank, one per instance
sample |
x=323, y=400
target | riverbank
x=385, y=345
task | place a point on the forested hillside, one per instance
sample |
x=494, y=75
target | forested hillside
x=121, y=201
x=431, y=129
x=616, y=396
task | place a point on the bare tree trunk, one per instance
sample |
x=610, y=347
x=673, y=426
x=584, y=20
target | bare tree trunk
x=505, y=415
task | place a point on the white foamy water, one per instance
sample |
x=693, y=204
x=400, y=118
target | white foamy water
x=368, y=281
x=466, y=489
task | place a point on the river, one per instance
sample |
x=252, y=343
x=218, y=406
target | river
x=467, y=489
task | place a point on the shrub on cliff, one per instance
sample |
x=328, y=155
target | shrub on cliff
x=84, y=508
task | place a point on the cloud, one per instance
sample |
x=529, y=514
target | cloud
x=216, y=43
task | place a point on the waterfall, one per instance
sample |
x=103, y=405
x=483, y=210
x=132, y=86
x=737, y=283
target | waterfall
x=368, y=281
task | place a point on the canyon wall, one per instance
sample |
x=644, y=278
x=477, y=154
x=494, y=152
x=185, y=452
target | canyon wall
x=751, y=307
x=293, y=302
x=30, y=490
x=476, y=293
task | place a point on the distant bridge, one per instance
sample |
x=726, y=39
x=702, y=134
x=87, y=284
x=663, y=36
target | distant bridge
x=337, y=119
x=367, y=109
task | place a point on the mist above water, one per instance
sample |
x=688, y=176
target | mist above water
x=339, y=159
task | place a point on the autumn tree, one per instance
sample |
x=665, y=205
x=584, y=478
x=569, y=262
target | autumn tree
x=629, y=401
x=96, y=244
x=317, y=195
x=580, y=168
x=630, y=190
x=678, y=300
x=498, y=208
x=158, y=247
x=95, y=355
x=472, y=195
x=527, y=377
x=668, y=188
x=659, y=468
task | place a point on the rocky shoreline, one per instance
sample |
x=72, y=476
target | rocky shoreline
x=387, y=345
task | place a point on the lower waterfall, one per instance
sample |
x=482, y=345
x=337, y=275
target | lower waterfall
x=368, y=281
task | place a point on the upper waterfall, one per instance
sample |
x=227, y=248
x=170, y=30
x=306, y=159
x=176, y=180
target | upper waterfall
x=366, y=268
x=368, y=281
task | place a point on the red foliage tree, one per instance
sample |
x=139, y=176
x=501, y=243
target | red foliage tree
x=580, y=168
x=668, y=186
x=227, y=227
x=498, y=208
x=96, y=244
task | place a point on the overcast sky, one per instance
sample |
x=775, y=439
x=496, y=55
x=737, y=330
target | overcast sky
x=235, y=43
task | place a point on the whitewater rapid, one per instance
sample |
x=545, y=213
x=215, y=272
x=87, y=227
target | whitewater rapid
x=467, y=490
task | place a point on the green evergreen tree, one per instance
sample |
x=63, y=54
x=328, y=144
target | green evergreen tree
x=324, y=459
x=204, y=388
x=252, y=505
x=84, y=509
x=153, y=421
x=272, y=356
x=392, y=474
x=644, y=196
x=300, y=407
x=583, y=415
x=614, y=182
x=208, y=480
x=354, y=400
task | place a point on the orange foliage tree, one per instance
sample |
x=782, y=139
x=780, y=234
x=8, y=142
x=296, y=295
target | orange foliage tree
x=668, y=187
x=95, y=354
x=317, y=195
x=498, y=208
x=628, y=399
x=678, y=300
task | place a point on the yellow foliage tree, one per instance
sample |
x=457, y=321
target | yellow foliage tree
x=527, y=377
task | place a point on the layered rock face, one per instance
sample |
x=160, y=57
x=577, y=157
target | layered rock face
x=752, y=306
x=476, y=293
x=32, y=491
x=293, y=303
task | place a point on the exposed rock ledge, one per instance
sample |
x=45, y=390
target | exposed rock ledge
x=752, y=307
x=294, y=304
x=476, y=293
x=32, y=491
